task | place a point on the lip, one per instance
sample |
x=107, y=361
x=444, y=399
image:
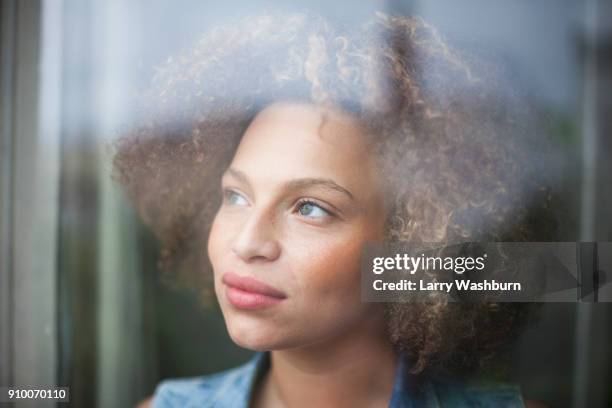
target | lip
x=245, y=292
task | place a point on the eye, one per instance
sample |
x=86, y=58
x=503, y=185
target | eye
x=234, y=198
x=311, y=209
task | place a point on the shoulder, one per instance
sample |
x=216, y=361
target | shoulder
x=438, y=390
x=227, y=388
x=469, y=394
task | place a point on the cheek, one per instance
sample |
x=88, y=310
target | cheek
x=331, y=271
x=217, y=241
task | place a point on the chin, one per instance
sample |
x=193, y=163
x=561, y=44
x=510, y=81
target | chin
x=253, y=335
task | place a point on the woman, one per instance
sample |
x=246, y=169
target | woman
x=278, y=147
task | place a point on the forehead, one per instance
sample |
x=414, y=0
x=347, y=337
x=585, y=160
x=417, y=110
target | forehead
x=291, y=136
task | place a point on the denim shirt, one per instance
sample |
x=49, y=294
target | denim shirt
x=234, y=388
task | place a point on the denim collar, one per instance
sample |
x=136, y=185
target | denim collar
x=234, y=389
x=409, y=391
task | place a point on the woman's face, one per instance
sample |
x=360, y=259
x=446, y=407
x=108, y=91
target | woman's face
x=301, y=197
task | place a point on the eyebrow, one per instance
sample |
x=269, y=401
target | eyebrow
x=298, y=183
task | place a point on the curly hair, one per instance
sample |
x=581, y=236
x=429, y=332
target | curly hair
x=453, y=140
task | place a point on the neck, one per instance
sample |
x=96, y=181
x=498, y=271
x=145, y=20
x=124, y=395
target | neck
x=354, y=369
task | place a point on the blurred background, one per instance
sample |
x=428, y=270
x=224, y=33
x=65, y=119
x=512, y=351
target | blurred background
x=81, y=301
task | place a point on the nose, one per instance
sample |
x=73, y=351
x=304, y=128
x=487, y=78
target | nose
x=256, y=240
